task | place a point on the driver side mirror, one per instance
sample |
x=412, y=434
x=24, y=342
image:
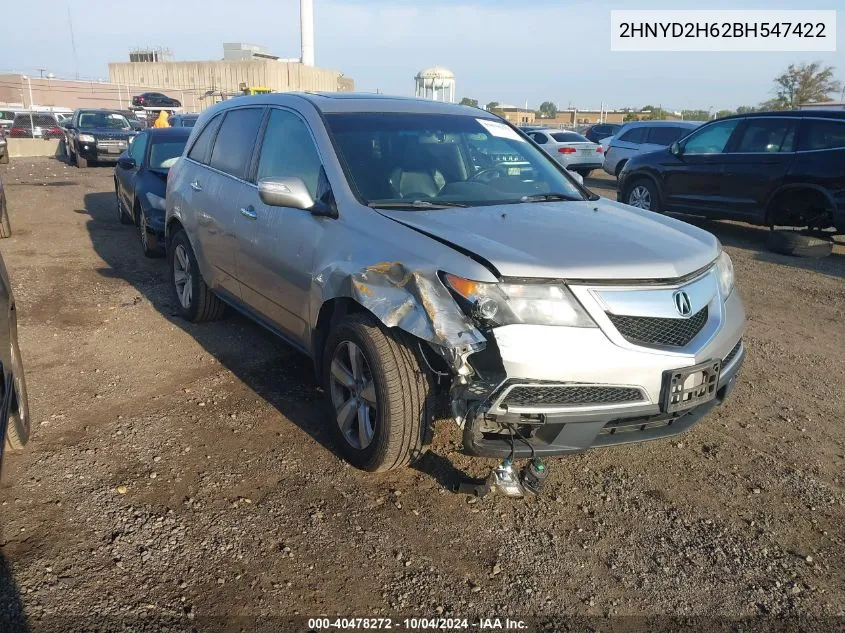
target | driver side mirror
x=126, y=162
x=291, y=192
x=675, y=148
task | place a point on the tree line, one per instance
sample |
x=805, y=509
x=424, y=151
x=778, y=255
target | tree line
x=795, y=86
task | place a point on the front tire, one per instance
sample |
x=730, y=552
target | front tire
x=5, y=225
x=81, y=163
x=18, y=425
x=123, y=217
x=194, y=298
x=149, y=240
x=380, y=394
x=643, y=194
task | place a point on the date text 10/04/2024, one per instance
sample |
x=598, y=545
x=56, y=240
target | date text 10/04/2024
x=417, y=624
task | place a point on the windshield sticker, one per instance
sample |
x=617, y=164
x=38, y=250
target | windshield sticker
x=497, y=128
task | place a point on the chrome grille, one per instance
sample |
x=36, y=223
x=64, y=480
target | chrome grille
x=658, y=330
x=111, y=143
x=569, y=395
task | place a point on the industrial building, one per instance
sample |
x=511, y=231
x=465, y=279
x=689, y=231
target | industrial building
x=197, y=84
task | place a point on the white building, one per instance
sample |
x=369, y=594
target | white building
x=437, y=84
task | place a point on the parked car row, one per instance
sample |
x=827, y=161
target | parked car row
x=776, y=169
x=416, y=251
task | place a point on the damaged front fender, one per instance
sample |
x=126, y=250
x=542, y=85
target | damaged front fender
x=413, y=301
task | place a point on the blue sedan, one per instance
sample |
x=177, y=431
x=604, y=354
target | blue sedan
x=140, y=183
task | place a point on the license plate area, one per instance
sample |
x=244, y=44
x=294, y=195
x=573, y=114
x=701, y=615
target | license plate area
x=691, y=386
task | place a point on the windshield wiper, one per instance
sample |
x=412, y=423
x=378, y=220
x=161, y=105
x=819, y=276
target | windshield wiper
x=416, y=204
x=547, y=197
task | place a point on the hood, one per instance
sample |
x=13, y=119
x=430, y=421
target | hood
x=601, y=240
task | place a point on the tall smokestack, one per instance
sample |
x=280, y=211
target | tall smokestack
x=306, y=27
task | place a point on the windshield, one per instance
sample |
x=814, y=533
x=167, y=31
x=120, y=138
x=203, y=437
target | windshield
x=445, y=159
x=163, y=155
x=108, y=120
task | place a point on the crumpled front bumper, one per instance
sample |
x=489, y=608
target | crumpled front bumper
x=536, y=357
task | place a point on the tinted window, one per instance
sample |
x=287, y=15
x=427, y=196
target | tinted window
x=711, y=139
x=138, y=147
x=38, y=120
x=664, y=135
x=288, y=150
x=634, y=135
x=199, y=151
x=540, y=138
x=823, y=134
x=767, y=135
x=569, y=137
x=236, y=140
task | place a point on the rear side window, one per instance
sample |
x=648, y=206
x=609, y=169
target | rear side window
x=767, y=135
x=634, y=135
x=236, y=140
x=664, y=135
x=199, y=152
x=823, y=134
x=540, y=138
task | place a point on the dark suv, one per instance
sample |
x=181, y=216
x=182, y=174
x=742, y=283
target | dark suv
x=768, y=168
x=155, y=100
x=600, y=131
x=97, y=135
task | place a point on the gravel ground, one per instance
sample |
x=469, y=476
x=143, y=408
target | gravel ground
x=181, y=476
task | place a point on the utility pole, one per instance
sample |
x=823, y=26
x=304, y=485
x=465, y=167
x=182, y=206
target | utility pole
x=73, y=44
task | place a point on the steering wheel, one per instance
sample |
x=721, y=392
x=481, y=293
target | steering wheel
x=490, y=174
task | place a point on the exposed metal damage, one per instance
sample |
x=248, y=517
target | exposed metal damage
x=418, y=303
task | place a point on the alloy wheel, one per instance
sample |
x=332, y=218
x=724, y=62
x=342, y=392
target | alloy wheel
x=142, y=226
x=182, y=276
x=353, y=395
x=640, y=197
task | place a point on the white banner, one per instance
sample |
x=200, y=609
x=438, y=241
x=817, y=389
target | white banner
x=723, y=30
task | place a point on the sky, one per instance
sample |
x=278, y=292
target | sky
x=510, y=51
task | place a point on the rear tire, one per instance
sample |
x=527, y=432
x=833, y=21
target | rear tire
x=391, y=403
x=4, y=159
x=798, y=244
x=643, y=194
x=194, y=299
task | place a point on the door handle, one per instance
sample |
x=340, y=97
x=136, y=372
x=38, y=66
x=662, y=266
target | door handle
x=249, y=212
x=196, y=186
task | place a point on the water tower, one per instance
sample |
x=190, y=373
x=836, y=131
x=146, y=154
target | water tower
x=437, y=84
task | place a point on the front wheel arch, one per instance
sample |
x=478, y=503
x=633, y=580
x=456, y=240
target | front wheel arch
x=632, y=181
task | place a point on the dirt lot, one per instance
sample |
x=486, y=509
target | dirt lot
x=182, y=474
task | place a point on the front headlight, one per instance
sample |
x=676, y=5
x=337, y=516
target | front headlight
x=86, y=138
x=506, y=304
x=725, y=272
x=156, y=201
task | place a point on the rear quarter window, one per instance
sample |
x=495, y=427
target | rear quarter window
x=823, y=134
x=236, y=140
x=199, y=151
x=635, y=135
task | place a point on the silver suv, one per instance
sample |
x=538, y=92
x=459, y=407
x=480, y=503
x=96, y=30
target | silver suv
x=421, y=252
x=642, y=137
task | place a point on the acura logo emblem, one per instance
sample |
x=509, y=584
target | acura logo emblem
x=682, y=303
